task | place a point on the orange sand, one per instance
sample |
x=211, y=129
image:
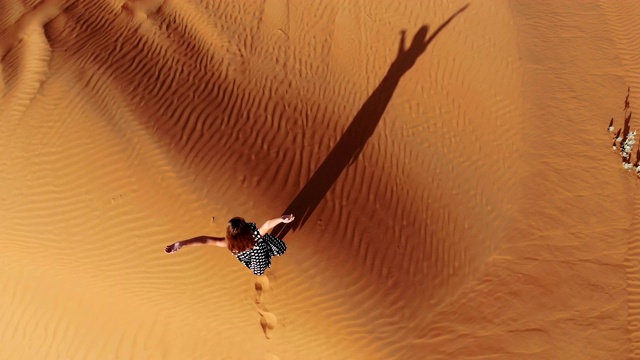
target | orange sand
x=460, y=202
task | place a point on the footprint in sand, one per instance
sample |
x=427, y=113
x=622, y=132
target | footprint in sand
x=262, y=286
x=268, y=320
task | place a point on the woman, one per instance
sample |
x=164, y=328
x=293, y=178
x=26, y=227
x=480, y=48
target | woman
x=245, y=241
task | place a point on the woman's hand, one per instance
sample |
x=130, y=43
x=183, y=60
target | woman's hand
x=287, y=218
x=173, y=247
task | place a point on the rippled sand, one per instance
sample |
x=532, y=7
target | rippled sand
x=456, y=197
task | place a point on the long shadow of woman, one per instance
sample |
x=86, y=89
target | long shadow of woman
x=351, y=143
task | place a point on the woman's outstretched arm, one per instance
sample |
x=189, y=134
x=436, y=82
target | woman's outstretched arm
x=198, y=240
x=270, y=224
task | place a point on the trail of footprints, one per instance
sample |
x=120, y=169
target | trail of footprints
x=268, y=320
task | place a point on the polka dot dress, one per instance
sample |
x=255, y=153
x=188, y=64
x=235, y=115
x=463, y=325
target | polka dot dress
x=258, y=259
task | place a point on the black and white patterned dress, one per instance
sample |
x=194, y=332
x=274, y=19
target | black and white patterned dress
x=258, y=259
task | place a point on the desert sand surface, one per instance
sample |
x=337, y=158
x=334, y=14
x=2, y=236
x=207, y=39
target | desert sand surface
x=456, y=196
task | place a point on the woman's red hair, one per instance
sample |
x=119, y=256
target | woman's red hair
x=239, y=236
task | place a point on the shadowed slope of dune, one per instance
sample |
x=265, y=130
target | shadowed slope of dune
x=193, y=144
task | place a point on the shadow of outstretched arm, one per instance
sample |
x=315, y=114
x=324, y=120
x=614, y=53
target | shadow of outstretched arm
x=352, y=142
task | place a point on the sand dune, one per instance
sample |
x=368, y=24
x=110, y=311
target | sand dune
x=448, y=165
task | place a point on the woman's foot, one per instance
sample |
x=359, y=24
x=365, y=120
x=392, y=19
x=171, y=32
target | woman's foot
x=173, y=248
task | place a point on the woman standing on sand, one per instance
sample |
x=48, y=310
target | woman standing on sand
x=245, y=241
